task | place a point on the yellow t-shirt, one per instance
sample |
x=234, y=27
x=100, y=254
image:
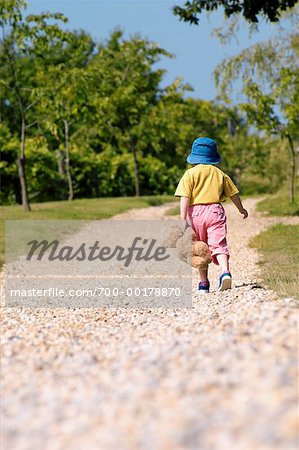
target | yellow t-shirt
x=205, y=183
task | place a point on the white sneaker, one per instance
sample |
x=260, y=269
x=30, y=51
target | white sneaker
x=225, y=281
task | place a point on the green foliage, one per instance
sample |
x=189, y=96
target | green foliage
x=11, y=11
x=23, y=39
x=255, y=163
x=8, y=171
x=123, y=129
x=249, y=9
x=41, y=169
x=269, y=73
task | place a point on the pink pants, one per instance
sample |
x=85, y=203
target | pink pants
x=209, y=223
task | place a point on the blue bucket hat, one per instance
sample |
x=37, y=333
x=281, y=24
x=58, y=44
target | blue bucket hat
x=204, y=151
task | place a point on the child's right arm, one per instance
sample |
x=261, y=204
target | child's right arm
x=237, y=202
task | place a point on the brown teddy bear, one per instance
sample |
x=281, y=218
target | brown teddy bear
x=200, y=255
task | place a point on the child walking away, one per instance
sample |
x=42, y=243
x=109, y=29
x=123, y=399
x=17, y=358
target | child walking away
x=202, y=190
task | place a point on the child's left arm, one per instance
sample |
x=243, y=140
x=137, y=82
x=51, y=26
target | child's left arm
x=184, y=205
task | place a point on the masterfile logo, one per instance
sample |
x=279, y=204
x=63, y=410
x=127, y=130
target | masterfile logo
x=140, y=250
x=106, y=263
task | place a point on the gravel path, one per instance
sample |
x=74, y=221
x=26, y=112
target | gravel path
x=220, y=375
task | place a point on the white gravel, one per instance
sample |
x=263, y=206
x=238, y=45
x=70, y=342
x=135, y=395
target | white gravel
x=220, y=375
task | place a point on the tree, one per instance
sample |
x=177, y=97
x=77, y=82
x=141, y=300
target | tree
x=271, y=10
x=62, y=95
x=9, y=176
x=125, y=88
x=100, y=116
x=269, y=73
x=20, y=39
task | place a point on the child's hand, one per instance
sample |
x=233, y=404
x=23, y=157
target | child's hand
x=187, y=225
x=244, y=212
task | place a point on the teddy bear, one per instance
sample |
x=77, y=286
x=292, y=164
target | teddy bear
x=200, y=256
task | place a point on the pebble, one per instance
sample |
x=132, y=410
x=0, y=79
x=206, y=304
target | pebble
x=219, y=375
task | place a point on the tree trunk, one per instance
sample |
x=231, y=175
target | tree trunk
x=97, y=185
x=293, y=169
x=136, y=171
x=21, y=161
x=67, y=161
x=60, y=164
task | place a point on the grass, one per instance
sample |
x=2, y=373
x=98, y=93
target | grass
x=279, y=204
x=175, y=211
x=279, y=244
x=280, y=258
x=82, y=209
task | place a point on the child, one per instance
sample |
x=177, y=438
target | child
x=202, y=189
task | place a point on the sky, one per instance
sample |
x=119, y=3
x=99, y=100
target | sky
x=197, y=52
